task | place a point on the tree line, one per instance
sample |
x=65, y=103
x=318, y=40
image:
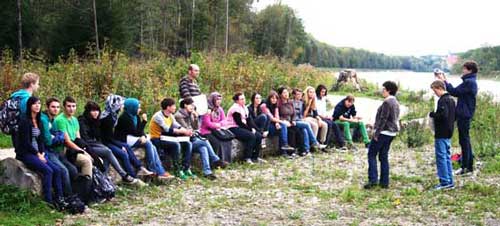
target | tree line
x=487, y=57
x=142, y=28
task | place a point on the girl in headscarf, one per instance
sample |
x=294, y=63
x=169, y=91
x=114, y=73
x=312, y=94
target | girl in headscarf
x=214, y=120
x=131, y=124
x=108, y=120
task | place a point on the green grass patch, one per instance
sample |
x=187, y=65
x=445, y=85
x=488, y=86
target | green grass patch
x=331, y=215
x=21, y=207
x=5, y=141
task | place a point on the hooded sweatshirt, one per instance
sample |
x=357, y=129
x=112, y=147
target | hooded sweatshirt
x=24, y=95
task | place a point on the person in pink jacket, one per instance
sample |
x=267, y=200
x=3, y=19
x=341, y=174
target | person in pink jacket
x=244, y=129
x=214, y=120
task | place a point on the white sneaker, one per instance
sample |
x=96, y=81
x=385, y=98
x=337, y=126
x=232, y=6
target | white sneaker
x=144, y=172
x=249, y=161
x=265, y=133
x=261, y=161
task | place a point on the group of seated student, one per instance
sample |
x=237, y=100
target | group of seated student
x=63, y=148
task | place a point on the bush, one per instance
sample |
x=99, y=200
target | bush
x=416, y=135
x=484, y=127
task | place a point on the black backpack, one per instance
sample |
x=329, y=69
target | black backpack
x=10, y=112
x=74, y=204
x=102, y=187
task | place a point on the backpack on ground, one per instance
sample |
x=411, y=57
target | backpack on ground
x=10, y=112
x=74, y=204
x=102, y=187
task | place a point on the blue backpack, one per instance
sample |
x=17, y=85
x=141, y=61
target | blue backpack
x=10, y=112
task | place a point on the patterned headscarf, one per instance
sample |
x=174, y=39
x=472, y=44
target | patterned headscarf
x=211, y=103
x=112, y=106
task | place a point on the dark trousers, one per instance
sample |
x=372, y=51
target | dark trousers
x=174, y=150
x=221, y=147
x=381, y=148
x=334, y=134
x=464, y=140
x=51, y=175
x=262, y=121
x=252, y=142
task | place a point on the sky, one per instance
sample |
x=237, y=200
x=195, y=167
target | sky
x=418, y=27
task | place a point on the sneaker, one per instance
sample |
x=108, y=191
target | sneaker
x=463, y=172
x=263, y=145
x=60, y=204
x=384, y=186
x=166, y=176
x=249, y=161
x=144, y=172
x=210, y=176
x=342, y=149
x=259, y=160
x=265, y=133
x=129, y=179
x=369, y=185
x=181, y=175
x=303, y=153
x=140, y=183
x=286, y=156
x=189, y=173
x=444, y=187
x=221, y=164
x=293, y=155
x=287, y=148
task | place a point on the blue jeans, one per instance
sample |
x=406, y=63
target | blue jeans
x=443, y=161
x=127, y=158
x=107, y=156
x=50, y=172
x=283, y=136
x=464, y=140
x=152, y=159
x=207, y=154
x=174, y=150
x=262, y=121
x=309, y=137
x=61, y=161
x=381, y=148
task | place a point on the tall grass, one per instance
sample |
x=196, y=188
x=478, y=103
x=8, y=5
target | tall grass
x=157, y=77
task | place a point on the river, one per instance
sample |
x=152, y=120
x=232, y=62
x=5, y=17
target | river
x=421, y=80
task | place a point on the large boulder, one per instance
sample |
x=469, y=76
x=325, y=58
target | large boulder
x=14, y=172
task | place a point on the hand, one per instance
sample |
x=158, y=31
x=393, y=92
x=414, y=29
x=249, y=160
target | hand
x=142, y=140
x=358, y=117
x=277, y=125
x=144, y=117
x=253, y=131
x=189, y=132
x=287, y=123
x=375, y=138
x=42, y=158
x=124, y=149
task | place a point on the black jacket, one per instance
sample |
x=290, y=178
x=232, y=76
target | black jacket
x=125, y=126
x=106, y=126
x=89, y=130
x=341, y=109
x=24, y=136
x=444, y=117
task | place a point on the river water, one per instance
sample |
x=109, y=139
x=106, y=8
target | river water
x=421, y=80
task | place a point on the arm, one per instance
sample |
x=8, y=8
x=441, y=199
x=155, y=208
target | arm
x=47, y=136
x=464, y=88
x=140, y=127
x=181, y=120
x=184, y=88
x=207, y=120
x=24, y=137
x=384, y=116
x=441, y=111
x=239, y=121
x=84, y=130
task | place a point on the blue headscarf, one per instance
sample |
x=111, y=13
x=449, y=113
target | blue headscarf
x=131, y=106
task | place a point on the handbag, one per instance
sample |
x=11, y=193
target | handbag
x=223, y=134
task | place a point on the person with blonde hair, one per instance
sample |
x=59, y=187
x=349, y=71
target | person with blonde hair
x=311, y=115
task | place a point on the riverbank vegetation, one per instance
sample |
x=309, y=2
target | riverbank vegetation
x=488, y=59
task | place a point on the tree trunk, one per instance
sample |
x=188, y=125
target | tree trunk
x=20, y=33
x=192, y=24
x=96, y=32
x=227, y=24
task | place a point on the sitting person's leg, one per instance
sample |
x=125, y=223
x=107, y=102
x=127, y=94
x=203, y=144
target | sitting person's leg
x=347, y=130
x=107, y=155
x=200, y=147
x=153, y=160
x=84, y=161
x=187, y=150
x=122, y=154
x=57, y=179
x=54, y=159
x=247, y=138
x=34, y=163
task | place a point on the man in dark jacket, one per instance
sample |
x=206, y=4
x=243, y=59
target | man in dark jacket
x=466, y=93
x=345, y=115
x=444, y=118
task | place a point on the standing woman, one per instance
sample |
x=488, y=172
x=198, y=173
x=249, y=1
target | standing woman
x=213, y=120
x=244, y=129
x=31, y=151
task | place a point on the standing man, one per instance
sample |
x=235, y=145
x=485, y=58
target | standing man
x=466, y=93
x=188, y=86
x=30, y=84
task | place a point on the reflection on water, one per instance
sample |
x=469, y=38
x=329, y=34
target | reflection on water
x=421, y=80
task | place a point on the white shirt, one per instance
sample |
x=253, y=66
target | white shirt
x=321, y=106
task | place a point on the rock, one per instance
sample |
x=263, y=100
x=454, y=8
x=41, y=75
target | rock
x=14, y=172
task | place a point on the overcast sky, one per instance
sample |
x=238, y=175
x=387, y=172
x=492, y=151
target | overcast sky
x=400, y=27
